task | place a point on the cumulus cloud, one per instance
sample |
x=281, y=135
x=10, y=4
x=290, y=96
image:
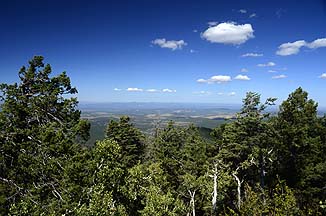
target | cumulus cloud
x=268, y=64
x=293, y=48
x=290, y=48
x=228, y=33
x=282, y=76
x=243, y=11
x=252, y=55
x=134, y=89
x=323, y=76
x=321, y=42
x=170, y=44
x=169, y=90
x=244, y=70
x=216, y=79
x=241, y=77
x=117, y=89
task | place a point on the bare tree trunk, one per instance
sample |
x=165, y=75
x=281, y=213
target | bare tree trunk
x=192, y=201
x=238, y=189
x=214, y=199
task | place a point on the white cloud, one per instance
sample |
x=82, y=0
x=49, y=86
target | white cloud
x=290, y=48
x=212, y=23
x=216, y=79
x=195, y=30
x=192, y=51
x=253, y=15
x=243, y=11
x=169, y=90
x=241, y=77
x=202, y=81
x=282, y=76
x=203, y=92
x=117, y=89
x=321, y=42
x=252, y=55
x=134, y=89
x=228, y=33
x=323, y=76
x=170, y=44
x=244, y=70
x=229, y=94
x=294, y=47
x=152, y=90
x=272, y=71
x=232, y=94
x=268, y=64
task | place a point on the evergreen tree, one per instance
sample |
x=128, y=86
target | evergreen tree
x=130, y=139
x=301, y=152
x=39, y=125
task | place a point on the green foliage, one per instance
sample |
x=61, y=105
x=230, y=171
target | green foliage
x=39, y=125
x=147, y=186
x=301, y=152
x=129, y=138
x=281, y=201
x=256, y=165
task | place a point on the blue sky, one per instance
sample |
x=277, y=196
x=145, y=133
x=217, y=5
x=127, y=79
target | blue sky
x=171, y=51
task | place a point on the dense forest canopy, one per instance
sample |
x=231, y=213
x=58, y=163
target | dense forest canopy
x=257, y=164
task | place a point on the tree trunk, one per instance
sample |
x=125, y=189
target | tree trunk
x=192, y=201
x=214, y=199
x=238, y=189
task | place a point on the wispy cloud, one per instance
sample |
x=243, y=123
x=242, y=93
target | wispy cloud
x=242, y=77
x=253, y=15
x=153, y=90
x=117, y=89
x=252, y=55
x=216, y=79
x=170, y=44
x=268, y=64
x=244, y=70
x=169, y=90
x=135, y=89
x=212, y=23
x=243, y=11
x=282, y=76
x=228, y=94
x=203, y=92
x=232, y=94
x=228, y=33
x=271, y=71
x=293, y=48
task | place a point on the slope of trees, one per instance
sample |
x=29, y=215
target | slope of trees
x=258, y=164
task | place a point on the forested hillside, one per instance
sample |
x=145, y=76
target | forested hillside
x=255, y=165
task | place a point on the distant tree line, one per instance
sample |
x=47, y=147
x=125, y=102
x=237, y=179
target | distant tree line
x=257, y=164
